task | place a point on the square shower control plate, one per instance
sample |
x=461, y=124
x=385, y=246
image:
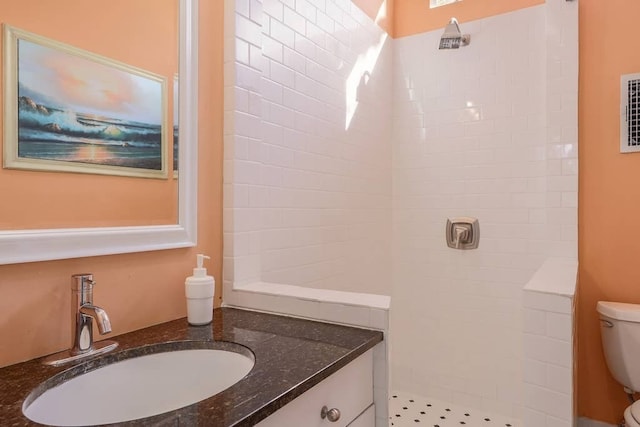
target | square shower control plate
x=463, y=233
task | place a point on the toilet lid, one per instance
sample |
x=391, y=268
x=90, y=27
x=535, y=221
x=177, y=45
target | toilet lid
x=635, y=411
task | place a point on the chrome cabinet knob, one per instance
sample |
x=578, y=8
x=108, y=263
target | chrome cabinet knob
x=332, y=414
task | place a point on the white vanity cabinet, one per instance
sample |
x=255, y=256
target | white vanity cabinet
x=349, y=391
x=366, y=419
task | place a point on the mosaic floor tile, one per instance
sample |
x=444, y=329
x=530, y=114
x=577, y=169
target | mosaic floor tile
x=409, y=410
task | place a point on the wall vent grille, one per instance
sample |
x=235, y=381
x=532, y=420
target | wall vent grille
x=630, y=113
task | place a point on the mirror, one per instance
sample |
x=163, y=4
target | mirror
x=32, y=244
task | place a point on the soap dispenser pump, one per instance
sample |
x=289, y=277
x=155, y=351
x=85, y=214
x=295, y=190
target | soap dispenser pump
x=199, y=290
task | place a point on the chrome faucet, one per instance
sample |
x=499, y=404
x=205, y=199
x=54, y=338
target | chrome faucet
x=83, y=312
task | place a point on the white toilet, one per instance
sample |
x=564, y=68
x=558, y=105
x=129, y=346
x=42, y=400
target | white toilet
x=620, y=329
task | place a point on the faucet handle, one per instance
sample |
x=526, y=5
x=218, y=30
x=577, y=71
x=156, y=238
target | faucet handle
x=82, y=282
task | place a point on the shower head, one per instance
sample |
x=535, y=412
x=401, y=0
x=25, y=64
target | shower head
x=452, y=38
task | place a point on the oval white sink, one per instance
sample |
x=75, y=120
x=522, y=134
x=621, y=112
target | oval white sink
x=139, y=387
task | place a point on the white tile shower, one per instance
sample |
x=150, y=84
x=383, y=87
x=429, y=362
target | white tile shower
x=475, y=146
x=345, y=149
x=307, y=173
x=308, y=169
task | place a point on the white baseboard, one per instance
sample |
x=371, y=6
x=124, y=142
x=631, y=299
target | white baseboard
x=586, y=422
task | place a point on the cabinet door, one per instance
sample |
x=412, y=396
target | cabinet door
x=350, y=390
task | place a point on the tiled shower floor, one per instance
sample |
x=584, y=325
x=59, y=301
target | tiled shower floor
x=409, y=410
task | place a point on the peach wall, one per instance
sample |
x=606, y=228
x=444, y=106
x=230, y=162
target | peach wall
x=137, y=290
x=415, y=16
x=141, y=34
x=609, y=199
x=380, y=11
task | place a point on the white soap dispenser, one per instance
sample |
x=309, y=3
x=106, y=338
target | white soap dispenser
x=199, y=290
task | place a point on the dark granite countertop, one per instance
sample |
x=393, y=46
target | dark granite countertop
x=291, y=356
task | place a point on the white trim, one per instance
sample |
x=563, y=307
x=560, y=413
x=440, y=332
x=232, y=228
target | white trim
x=17, y=246
x=188, y=119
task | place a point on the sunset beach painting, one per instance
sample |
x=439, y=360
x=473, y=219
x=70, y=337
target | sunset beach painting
x=70, y=110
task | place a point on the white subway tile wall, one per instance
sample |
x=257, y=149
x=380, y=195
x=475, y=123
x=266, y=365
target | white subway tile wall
x=562, y=128
x=549, y=325
x=309, y=177
x=488, y=131
x=338, y=139
x=470, y=139
x=549, y=318
x=307, y=172
x=548, y=363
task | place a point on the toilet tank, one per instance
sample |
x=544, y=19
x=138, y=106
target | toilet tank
x=620, y=330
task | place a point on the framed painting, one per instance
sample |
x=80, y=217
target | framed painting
x=70, y=110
